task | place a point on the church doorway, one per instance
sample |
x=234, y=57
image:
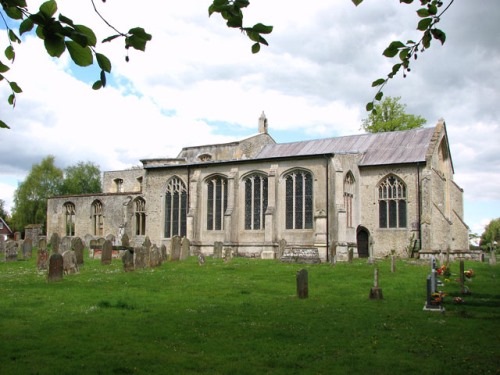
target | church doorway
x=362, y=239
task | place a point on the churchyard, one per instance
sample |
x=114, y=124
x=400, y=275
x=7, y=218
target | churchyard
x=244, y=316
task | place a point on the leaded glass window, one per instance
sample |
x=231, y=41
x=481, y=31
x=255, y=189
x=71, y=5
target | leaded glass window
x=216, y=202
x=392, y=203
x=175, y=208
x=298, y=200
x=140, y=216
x=255, y=201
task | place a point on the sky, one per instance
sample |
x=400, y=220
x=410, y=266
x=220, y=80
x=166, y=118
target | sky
x=198, y=83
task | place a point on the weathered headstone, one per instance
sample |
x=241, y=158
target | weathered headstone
x=376, y=291
x=163, y=252
x=27, y=248
x=87, y=238
x=42, y=243
x=65, y=244
x=77, y=246
x=201, y=259
x=218, y=249
x=128, y=261
x=140, y=257
x=55, y=267
x=42, y=259
x=175, y=248
x=185, y=246
x=393, y=263
x=281, y=248
x=227, y=254
x=69, y=262
x=301, y=255
x=55, y=241
x=11, y=251
x=154, y=257
x=125, y=240
x=107, y=252
x=2, y=245
x=147, y=242
x=111, y=238
x=93, y=246
x=333, y=254
x=350, y=254
x=302, y=284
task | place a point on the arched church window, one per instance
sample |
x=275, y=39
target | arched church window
x=175, y=208
x=299, y=200
x=392, y=203
x=255, y=201
x=216, y=202
x=348, y=197
x=70, y=212
x=140, y=216
x=97, y=219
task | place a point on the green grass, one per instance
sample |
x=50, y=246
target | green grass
x=243, y=317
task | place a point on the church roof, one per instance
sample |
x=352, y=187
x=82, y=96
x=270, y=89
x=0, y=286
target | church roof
x=409, y=146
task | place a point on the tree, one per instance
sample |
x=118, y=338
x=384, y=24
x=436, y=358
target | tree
x=390, y=116
x=60, y=33
x=82, y=178
x=491, y=234
x=3, y=212
x=30, y=197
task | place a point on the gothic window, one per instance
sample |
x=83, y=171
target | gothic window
x=139, y=183
x=255, y=201
x=205, y=157
x=175, y=208
x=69, y=209
x=97, y=219
x=392, y=203
x=216, y=202
x=348, y=197
x=140, y=216
x=119, y=185
x=299, y=200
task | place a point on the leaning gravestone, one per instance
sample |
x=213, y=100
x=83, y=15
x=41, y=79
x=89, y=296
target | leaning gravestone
x=55, y=267
x=55, y=242
x=107, y=252
x=11, y=251
x=128, y=261
x=69, y=262
x=217, y=249
x=185, y=245
x=77, y=246
x=27, y=248
x=302, y=284
x=175, y=248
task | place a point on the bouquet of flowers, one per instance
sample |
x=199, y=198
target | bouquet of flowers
x=469, y=273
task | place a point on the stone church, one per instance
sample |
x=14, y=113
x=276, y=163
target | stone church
x=376, y=194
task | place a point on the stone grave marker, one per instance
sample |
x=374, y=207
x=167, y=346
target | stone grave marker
x=55, y=267
x=350, y=254
x=87, y=238
x=201, y=259
x=125, y=240
x=55, y=241
x=154, y=257
x=70, y=265
x=77, y=246
x=140, y=257
x=218, y=249
x=107, y=252
x=376, y=291
x=27, y=248
x=11, y=251
x=93, y=246
x=111, y=238
x=393, y=263
x=302, y=284
x=42, y=259
x=163, y=251
x=2, y=245
x=65, y=244
x=281, y=248
x=431, y=304
x=17, y=236
x=227, y=254
x=333, y=254
x=185, y=246
x=301, y=255
x=128, y=261
x=175, y=248
x=42, y=244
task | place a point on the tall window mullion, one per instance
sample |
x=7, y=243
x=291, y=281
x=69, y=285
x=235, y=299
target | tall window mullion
x=175, y=208
x=392, y=203
x=299, y=201
x=216, y=203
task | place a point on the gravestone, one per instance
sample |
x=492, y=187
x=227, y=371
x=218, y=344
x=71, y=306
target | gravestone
x=42, y=244
x=107, y=252
x=87, y=238
x=227, y=254
x=163, y=251
x=218, y=249
x=111, y=238
x=65, y=244
x=77, y=246
x=393, y=263
x=69, y=262
x=128, y=261
x=147, y=242
x=301, y=255
x=55, y=267
x=55, y=241
x=350, y=254
x=42, y=259
x=93, y=246
x=27, y=248
x=11, y=251
x=2, y=245
x=281, y=248
x=140, y=257
x=302, y=284
x=125, y=240
x=375, y=292
x=430, y=303
x=175, y=248
x=17, y=236
x=201, y=259
x=333, y=254
x=185, y=246
x=154, y=257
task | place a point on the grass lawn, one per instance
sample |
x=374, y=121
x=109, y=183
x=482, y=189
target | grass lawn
x=244, y=317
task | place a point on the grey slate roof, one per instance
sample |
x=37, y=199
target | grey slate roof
x=407, y=146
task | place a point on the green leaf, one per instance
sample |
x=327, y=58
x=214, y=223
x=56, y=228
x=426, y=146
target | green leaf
x=66, y=20
x=103, y=78
x=97, y=85
x=49, y=8
x=393, y=49
x=1, y=77
x=369, y=106
x=403, y=54
x=357, y=2
x=12, y=100
x=110, y=38
x=378, y=82
x=82, y=56
x=14, y=13
x=406, y=1
x=424, y=24
x=379, y=96
x=423, y=12
x=3, y=68
x=54, y=45
x=439, y=35
x=13, y=37
x=432, y=9
x=137, y=39
x=9, y=53
x=426, y=39
x=15, y=87
x=26, y=26
x=103, y=62
x=79, y=38
x=262, y=29
x=3, y=125
x=235, y=21
x=255, y=47
x=89, y=33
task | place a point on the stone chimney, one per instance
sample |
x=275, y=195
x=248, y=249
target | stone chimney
x=263, y=123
